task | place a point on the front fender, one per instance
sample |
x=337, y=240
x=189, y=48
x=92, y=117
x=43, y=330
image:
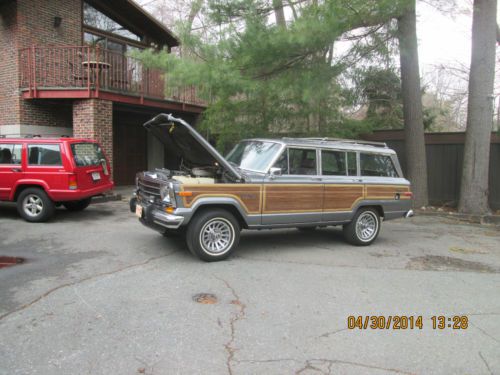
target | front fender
x=211, y=201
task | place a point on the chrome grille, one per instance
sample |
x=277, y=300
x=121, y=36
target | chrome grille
x=149, y=188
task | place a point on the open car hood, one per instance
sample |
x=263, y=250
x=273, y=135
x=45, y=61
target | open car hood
x=184, y=145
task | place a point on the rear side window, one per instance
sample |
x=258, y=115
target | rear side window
x=377, y=165
x=10, y=153
x=87, y=154
x=44, y=155
x=333, y=163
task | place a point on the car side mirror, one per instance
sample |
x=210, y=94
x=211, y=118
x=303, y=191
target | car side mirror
x=274, y=172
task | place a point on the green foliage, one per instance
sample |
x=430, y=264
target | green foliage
x=379, y=90
x=262, y=79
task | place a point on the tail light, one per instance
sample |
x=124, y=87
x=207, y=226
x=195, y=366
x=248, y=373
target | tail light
x=72, y=182
x=408, y=194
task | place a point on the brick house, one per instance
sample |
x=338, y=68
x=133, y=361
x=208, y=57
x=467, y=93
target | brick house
x=66, y=69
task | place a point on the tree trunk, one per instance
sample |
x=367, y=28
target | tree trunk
x=416, y=160
x=474, y=187
x=279, y=12
x=193, y=12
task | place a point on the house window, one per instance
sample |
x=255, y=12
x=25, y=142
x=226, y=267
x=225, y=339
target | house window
x=98, y=20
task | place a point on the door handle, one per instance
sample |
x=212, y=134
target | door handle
x=317, y=179
x=16, y=170
x=357, y=180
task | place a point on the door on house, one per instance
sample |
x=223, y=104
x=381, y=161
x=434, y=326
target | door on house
x=130, y=150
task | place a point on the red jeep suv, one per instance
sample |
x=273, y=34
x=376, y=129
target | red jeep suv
x=42, y=173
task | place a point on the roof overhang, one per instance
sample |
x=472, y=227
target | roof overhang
x=131, y=14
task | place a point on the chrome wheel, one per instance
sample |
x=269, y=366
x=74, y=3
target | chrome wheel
x=32, y=205
x=217, y=236
x=366, y=226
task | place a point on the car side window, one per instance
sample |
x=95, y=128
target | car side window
x=352, y=167
x=39, y=154
x=302, y=161
x=282, y=162
x=10, y=153
x=377, y=165
x=333, y=163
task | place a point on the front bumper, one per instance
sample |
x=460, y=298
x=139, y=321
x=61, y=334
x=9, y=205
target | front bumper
x=166, y=220
x=154, y=217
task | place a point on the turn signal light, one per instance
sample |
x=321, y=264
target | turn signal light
x=169, y=210
x=185, y=193
x=72, y=182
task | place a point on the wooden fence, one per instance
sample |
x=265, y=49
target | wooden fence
x=444, y=163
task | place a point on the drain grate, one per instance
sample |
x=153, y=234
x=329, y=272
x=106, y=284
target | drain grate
x=205, y=298
x=10, y=261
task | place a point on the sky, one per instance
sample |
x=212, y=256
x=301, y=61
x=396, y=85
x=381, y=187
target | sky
x=443, y=39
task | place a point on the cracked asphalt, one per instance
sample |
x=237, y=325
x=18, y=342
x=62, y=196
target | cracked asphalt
x=101, y=294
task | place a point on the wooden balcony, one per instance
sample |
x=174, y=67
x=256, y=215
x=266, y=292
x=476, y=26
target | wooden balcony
x=67, y=72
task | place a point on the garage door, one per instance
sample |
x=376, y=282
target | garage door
x=130, y=155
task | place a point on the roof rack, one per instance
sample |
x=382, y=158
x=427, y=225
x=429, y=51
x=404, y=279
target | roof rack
x=6, y=136
x=354, y=141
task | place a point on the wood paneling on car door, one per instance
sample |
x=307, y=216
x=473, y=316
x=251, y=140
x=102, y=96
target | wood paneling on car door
x=385, y=191
x=283, y=198
x=342, y=197
x=249, y=195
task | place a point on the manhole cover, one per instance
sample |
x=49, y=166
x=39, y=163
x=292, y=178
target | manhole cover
x=205, y=298
x=9, y=261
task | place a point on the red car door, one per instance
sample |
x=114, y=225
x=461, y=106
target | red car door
x=10, y=167
x=44, y=165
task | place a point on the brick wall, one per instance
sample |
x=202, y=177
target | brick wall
x=24, y=23
x=36, y=22
x=36, y=27
x=93, y=118
x=9, y=88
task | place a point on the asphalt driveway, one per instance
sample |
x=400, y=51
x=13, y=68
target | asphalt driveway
x=101, y=294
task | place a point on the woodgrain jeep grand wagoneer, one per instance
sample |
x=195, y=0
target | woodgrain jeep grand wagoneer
x=267, y=183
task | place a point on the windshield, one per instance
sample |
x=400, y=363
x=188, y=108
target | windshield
x=253, y=155
x=87, y=154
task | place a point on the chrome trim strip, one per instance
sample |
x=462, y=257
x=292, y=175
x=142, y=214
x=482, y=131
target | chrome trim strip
x=167, y=220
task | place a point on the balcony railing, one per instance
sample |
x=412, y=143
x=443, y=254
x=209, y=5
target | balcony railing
x=95, y=69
